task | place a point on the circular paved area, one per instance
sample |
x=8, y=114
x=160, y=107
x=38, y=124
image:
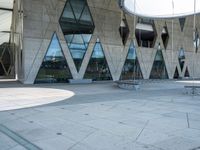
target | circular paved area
x=23, y=97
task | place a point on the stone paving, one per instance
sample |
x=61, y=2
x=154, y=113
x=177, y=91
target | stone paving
x=160, y=116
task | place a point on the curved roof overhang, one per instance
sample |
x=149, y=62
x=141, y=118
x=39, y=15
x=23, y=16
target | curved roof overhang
x=161, y=8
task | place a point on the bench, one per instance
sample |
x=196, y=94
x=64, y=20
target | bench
x=80, y=81
x=191, y=89
x=128, y=85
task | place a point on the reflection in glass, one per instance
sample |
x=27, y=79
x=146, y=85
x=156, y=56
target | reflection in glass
x=124, y=30
x=176, y=74
x=145, y=32
x=98, y=68
x=54, y=68
x=182, y=23
x=187, y=74
x=165, y=36
x=131, y=69
x=181, y=58
x=77, y=26
x=5, y=59
x=159, y=70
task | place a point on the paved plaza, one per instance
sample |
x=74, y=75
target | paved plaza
x=99, y=116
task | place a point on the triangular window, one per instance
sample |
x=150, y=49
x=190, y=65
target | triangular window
x=54, y=68
x=131, y=69
x=97, y=68
x=159, y=70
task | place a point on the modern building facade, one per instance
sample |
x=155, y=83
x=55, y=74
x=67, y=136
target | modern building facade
x=57, y=40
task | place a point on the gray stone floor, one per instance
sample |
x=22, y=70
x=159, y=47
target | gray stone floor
x=160, y=116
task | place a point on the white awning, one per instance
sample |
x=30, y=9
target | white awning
x=6, y=7
x=161, y=8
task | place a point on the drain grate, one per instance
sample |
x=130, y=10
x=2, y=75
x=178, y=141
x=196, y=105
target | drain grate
x=17, y=138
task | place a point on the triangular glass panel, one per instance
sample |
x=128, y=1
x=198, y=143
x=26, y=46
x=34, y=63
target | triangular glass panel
x=159, y=70
x=69, y=38
x=131, y=69
x=2, y=49
x=2, y=72
x=77, y=6
x=181, y=58
x=182, y=23
x=68, y=15
x=77, y=34
x=6, y=59
x=86, y=38
x=187, y=74
x=124, y=30
x=176, y=74
x=54, y=68
x=165, y=36
x=97, y=68
x=86, y=17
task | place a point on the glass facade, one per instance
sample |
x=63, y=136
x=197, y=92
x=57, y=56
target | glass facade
x=77, y=25
x=176, y=74
x=182, y=23
x=5, y=59
x=145, y=36
x=165, y=36
x=159, y=70
x=54, y=68
x=98, y=69
x=181, y=58
x=131, y=69
x=124, y=30
x=187, y=74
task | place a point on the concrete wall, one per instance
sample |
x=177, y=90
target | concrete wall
x=41, y=21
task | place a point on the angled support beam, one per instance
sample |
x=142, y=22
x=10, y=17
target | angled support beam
x=6, y=9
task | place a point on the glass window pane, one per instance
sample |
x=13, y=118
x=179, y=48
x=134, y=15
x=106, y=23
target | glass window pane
x=77, y=34
x=98, y=68
x=78, y=6
x=54, y=68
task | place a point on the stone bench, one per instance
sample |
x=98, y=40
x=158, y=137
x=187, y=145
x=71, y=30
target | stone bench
x=193, y=90
x=80, y=81
x=128, y=85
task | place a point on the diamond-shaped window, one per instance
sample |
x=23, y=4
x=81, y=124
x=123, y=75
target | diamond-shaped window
x=124, y=30
x=181, y=58
x=5, y=59
x=165, y=36
x=145, y=33
x=77, y=25
x=182, y=23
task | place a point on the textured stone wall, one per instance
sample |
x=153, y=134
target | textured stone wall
x=41, y=20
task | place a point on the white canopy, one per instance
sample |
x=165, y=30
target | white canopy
x=6, y=7
x=161, y=8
